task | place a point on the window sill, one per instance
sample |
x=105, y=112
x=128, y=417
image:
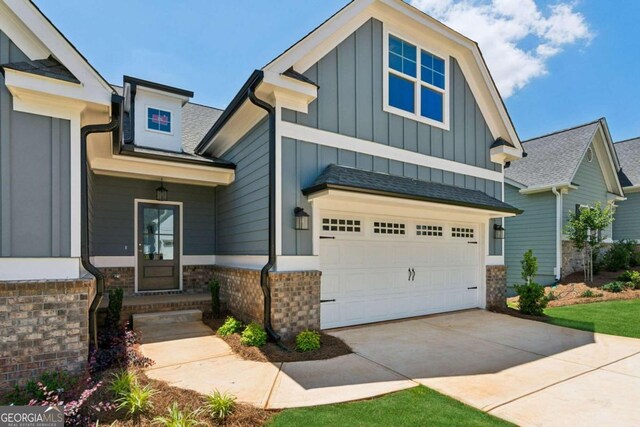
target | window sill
x=417, y=118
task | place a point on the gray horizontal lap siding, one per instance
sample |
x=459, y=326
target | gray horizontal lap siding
x=35, y=212
x=534, y=229
x=112, y=214
x=242, y=208
x=627, y=218
x=302, y=162
x=350, y=102
x=592, y=188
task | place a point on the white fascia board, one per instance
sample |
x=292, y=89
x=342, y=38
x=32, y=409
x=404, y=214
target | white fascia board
x=330, y=139
x=503, y=154
x=20, y=35
x=613, y=181
x=39, y=268
x=514, y=183
x=632, y=189
x=95, y=87
x=565, y=186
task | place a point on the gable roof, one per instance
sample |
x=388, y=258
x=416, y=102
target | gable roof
x=554, y=158
x=382, y=184
x=629, y=156
x=49, y=67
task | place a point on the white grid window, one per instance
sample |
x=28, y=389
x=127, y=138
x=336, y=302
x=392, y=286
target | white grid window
x=429, y=230
x=465, y=233
x=343, y=225
x=388, y=228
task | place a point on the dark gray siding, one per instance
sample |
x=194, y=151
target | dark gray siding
x=627, y=218
x=302, y=162
x=112, y=207
x=34, y=177
x=350, y=102
x=534, y=229
x=242, y=210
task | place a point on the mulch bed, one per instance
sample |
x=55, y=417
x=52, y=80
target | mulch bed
x=243, y=416
x=330, y=347
x=570, y=289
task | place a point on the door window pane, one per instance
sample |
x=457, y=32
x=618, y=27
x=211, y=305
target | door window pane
x=166, y=221
x=158, y=233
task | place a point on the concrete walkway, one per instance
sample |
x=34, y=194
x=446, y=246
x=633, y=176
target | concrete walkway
x=527, y=372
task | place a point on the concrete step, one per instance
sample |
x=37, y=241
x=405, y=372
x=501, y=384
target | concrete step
x=173, y=331
x=164, y=318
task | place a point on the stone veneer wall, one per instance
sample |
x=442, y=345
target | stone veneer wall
x=195, y=278
x=45, y=327
x=572, y=259
x=496, y=287
x=295, y=298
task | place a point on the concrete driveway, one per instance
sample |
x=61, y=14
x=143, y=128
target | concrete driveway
x=530, y=373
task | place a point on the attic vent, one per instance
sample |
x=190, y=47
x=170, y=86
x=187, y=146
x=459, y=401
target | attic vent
x=590, y=154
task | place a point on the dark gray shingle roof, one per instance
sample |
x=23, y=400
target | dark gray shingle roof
x=629, y=156
x=351, y=179
x=196, y=122
x=554, y=158
x=49, y=67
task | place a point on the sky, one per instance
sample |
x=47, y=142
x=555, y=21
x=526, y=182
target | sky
x=557, y=63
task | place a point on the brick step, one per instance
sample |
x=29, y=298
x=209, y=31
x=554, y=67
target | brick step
x=165, y=318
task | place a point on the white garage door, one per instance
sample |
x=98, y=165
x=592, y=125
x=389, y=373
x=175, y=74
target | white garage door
x=376, y=269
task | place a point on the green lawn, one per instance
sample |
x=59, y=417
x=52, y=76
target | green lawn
x=613, y=317
x=419, y=406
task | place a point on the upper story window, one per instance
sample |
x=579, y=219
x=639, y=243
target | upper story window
x=158, y=120
x=417, y=85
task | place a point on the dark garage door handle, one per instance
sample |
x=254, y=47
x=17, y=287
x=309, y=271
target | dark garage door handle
x=473, y=287
x=327, y=300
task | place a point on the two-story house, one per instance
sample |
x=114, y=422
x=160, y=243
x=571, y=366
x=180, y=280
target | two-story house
x=358, y=177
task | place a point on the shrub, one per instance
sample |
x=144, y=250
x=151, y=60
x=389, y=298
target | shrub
x=631, y=277
x=551, y=296
x=177, y=418
x=253, y=335
x=114, y=308
x=220, y=405
x=121, y=383
x=532, y=299
x=590, y=294
x=597, y=262
x=214, y=286
x=137, y=400
x=307, y=341
x=56, y=381
x=230, y=326
x=614, y=287
x=529, y=265
x=116, y=349
x=617, y=257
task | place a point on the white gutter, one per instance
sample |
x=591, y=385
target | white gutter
x=558, y=268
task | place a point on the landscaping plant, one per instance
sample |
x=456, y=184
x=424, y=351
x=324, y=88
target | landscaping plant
x=585, y=229
x=308, y=341
x=214, y=286
x=617, y=257
x=136, y=401
x=253, y=335
x=115, y=307
x=531, y=299
x=631, y=277
x=529, y=265
x=614, y=287
x=590, y=294
x=122, y=382
x=220, y=405
x=177, y=418
x=230, y=326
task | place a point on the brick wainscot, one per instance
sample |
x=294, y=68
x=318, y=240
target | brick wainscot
x=496, y=287
x=44, y=328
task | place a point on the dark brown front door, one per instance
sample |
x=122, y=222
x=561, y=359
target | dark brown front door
x=158, y=247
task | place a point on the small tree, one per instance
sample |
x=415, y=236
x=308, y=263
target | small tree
x=529, y=265
x=584, y=229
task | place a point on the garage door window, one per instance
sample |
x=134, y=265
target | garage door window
x=343, y=225
x=429, y=230
x=461, y=232
x=388, y=228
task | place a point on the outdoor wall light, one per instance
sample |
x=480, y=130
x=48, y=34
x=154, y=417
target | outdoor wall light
x=162, y=194
x=498, y=231
x=302, y=219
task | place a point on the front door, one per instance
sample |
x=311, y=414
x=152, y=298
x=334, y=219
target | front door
x=158, y=247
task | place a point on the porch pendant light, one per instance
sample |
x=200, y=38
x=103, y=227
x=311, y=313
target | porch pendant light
x=302, y=219
x=162, y=194
x=498, y=232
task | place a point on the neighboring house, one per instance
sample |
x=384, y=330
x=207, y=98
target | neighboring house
x=627, y=223
x=358, y=177
x=561, y=172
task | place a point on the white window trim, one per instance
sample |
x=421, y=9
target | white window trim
x=418, y=83
x=146, y=120
x=137, y=203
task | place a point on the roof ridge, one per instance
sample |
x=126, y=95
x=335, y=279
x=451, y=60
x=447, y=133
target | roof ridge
x=563, y=130
x=635, y=138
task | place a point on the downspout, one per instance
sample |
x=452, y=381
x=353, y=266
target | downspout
x=264, y=273
x=116, y=110
x=132, y=113
x=558, y=231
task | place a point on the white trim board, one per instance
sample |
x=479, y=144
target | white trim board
x=39, y=268
x=330, y=139
x=129, y=261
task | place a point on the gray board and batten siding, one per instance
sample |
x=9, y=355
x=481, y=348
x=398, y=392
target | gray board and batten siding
x=112, y=214
x=350, y=102
x=35, y=187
